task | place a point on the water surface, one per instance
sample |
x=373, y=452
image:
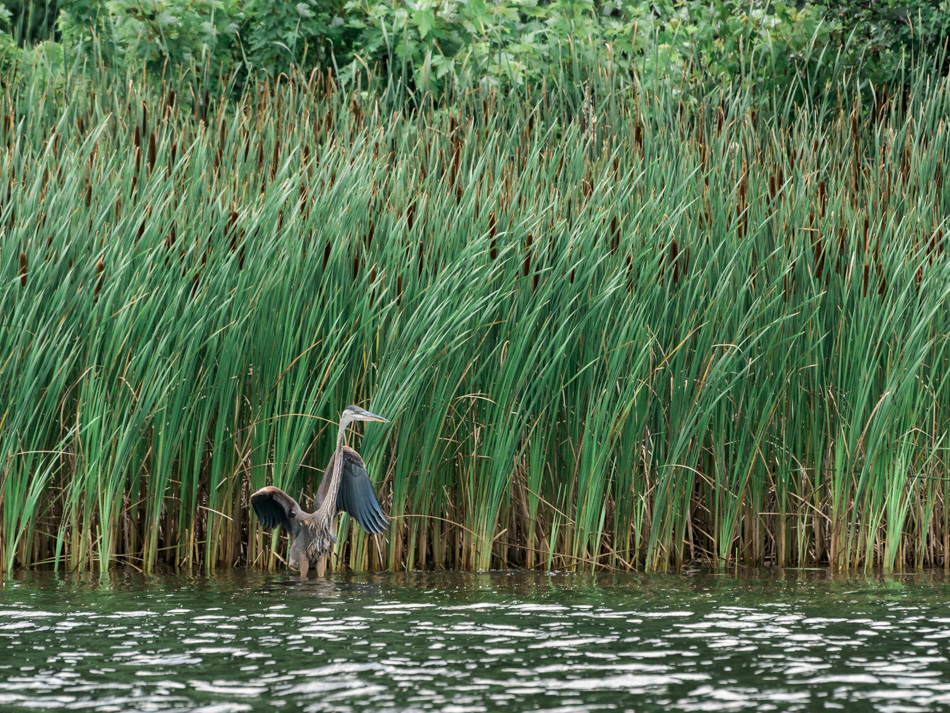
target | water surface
x=792, y=641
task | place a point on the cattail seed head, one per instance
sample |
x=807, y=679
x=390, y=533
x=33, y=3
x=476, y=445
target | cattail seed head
x=674, y=254
x=492, y=232
x=230, y=231
x=275, y=163
x=100, y=269
x=152, y=151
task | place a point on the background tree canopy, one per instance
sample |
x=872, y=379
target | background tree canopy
x=438, y=45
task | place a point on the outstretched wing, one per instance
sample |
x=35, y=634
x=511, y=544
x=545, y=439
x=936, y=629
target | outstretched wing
x=356, y=495
x=275, y=507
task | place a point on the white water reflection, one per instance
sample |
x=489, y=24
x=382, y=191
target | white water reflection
x=454, y=642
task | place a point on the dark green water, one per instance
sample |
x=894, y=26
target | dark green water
x=474, y=642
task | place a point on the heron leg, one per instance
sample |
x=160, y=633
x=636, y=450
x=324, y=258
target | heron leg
x=321, y=567
x=304, y=566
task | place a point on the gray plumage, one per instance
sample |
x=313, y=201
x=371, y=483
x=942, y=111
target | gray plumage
x=345, y=487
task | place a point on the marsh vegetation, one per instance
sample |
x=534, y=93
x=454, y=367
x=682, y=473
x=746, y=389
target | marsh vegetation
x=615, y=328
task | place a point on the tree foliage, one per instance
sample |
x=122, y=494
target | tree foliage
x=438, y=45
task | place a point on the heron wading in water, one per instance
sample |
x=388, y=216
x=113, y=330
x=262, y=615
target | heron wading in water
x=345, y=488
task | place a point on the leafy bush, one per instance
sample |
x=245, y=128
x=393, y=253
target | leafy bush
x=35, y=20
x=883, y=33
x=437, y=46
x=276, y=37
x=154, y=32
x=501, y=44
x=9, y=52
x=767, y=45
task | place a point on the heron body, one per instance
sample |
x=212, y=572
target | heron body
x=345, y=487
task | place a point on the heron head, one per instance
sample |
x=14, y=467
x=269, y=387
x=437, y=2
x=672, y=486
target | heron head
x=355, y=413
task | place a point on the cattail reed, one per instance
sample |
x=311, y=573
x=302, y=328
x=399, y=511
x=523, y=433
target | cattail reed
x=674, y=260
x=231, y=232
x=492, y=233
x=100, y=270
x=754, y=337
x=527, y=255
x=276, y=159
x=819, y=257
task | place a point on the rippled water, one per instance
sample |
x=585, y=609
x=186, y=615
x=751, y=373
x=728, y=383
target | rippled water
x=474, y=642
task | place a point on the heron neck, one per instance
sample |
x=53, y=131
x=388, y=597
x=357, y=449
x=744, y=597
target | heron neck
x=329, y=503
x=341, y=436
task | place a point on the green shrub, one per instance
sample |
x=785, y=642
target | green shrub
x=883, y=34
x=156, y=33
x=437, y=46
x=277, y=37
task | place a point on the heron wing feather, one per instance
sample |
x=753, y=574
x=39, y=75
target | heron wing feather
x=356, y=495
x=275, y=507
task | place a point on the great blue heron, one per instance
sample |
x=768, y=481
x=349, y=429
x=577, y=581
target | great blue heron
x=345, y=488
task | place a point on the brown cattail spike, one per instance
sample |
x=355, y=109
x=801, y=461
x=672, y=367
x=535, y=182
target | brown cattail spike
x=152, y=151
x=100, y=269
x=230, y=231
x=22, y=269
x=492, y=232
x=527, y=255
x=674, y=254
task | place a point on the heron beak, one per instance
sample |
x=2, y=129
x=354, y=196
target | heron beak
x=367, y=416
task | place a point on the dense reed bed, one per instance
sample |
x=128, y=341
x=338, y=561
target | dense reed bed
x=635, y=333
